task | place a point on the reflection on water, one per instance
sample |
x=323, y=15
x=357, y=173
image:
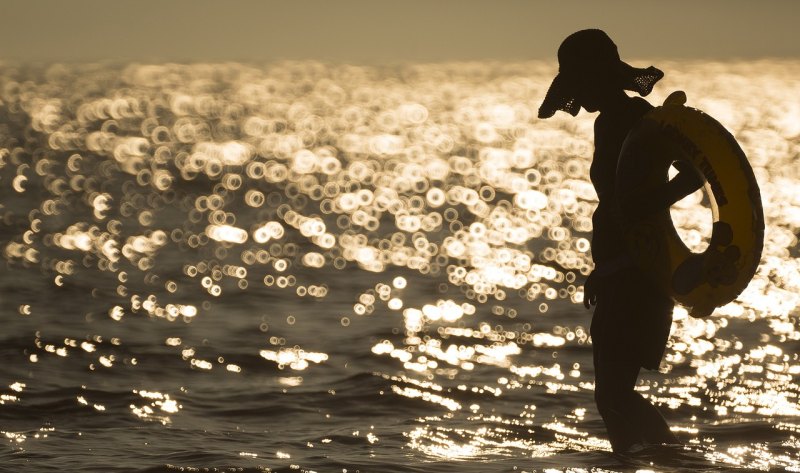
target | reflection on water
x=391, y=256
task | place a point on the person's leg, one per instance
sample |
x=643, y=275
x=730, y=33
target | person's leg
x=629, y=417
x=613, y=393
x=651, y=423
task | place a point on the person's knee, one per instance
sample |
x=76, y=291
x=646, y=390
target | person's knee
x=601, y=397
x=607, y=397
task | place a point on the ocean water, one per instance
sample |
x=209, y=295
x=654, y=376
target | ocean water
x=314, y=267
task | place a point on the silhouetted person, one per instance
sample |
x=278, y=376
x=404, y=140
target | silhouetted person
x=632, y=315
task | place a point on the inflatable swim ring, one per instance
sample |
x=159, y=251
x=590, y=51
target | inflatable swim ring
x=698, y=281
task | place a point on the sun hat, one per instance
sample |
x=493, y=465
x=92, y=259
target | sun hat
x=586, y=54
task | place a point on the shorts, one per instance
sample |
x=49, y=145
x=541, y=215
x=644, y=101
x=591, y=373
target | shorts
x=632, y=320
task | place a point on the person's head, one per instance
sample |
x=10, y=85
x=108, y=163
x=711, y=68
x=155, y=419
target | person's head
x=590, y=73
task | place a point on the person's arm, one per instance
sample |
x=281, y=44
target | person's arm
x=640, y=205
x=591, y=288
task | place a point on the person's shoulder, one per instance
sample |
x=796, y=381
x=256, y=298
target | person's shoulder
x=640, y=105
x=632, y=111
x=601, y=123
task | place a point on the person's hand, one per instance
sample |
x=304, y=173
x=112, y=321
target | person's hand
x=590, y=290
x=688, y=179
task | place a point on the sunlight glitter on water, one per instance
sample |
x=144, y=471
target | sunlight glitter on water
x=164, y=188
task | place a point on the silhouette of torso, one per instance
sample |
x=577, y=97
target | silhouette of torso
x=610, y=129
x=633, y=316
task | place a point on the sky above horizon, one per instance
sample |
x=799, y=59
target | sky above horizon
x=380, y=31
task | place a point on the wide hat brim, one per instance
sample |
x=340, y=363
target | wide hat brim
x=561, y=94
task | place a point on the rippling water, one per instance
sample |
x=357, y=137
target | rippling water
x=306, y=267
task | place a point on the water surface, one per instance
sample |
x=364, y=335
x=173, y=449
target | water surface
x=311, y=267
